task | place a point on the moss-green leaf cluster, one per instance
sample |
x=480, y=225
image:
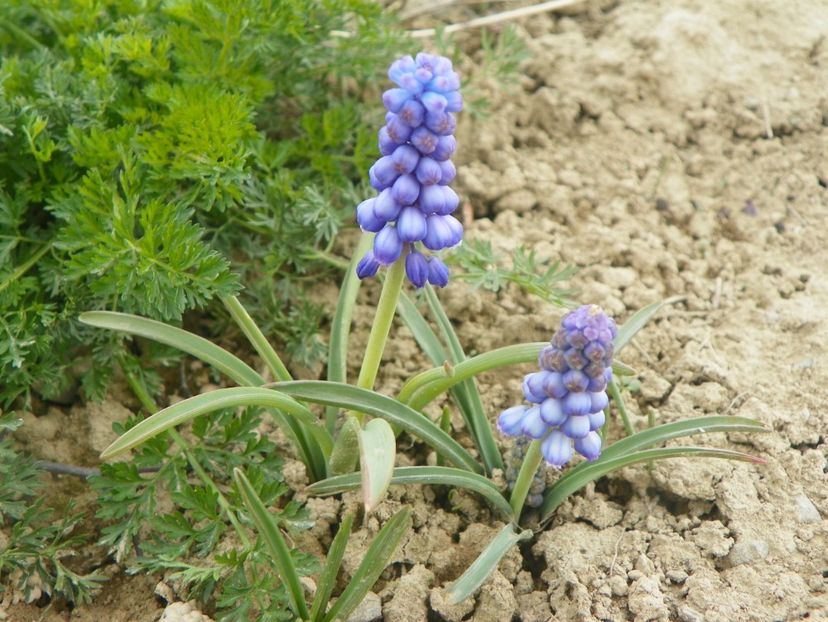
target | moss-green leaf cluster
x=155, y=155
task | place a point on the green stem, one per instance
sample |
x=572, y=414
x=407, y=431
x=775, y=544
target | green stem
x=615, y=394
x=382, y=326
x=530, y=465
x=19, y=32
x=23, y=268
x=331, y=260
x=149, y=404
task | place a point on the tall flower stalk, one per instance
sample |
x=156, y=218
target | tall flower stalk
x=411, y=216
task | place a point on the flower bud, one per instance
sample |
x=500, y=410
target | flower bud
x=438, y=272
x=411, y=225
x=416, y=269
x=387, y=245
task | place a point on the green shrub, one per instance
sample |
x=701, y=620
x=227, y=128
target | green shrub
x=155, y=155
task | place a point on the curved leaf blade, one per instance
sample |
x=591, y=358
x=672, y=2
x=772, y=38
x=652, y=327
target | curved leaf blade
x=377, y=450
x=428, y=475
x=593, y=470
x=376, y=559
x=192, y=344
x=677, y=429
x=279, y=550
x=422, y=332
x=376, y=405
x=188, y=409
x=333, y=561
x=668, y=431
x=313, y=450
x=486, y=562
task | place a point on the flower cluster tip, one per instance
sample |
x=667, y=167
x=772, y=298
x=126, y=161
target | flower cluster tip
x=568, y=396
x=414, y=204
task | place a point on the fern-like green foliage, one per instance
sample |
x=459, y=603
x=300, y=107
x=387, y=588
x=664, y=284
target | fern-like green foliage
x=40, y=539
x=155, y=155
x=483, y=267
x=161, y=519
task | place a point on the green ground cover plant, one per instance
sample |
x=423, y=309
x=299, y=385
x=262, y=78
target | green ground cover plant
x=156, y=155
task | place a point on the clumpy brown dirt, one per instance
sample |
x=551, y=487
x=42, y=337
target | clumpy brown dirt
x=668, y=148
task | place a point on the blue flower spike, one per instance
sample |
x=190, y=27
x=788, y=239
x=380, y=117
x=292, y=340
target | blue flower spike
x=567, y=396
x=412, y=213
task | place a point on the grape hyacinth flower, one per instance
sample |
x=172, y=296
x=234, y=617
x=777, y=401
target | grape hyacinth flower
x=568, y=395
x=413, y=209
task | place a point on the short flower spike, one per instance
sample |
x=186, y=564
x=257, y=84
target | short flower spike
x=569, y=393
x=413, y=211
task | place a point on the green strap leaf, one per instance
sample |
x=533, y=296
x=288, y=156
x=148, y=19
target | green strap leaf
x=677, y=429
x=376, y=559
x=486, y=562
x=428, y=475
x=333, y=561
x=466, y=392
x=666, y=432
x=376, y=405
x=377, y=450
x=199, y=347
x=188, y=409
x=590, y=471
x=424, y=387
x=256, y=338
x=312, y=449
x=279, y=550
x=636, y=322
x=422, y=332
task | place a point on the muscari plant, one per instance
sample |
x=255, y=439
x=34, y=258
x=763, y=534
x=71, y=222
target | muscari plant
x=406, y=225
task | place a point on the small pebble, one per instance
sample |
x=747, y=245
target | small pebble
x=688, y=614
x=747, y=551
x=806, y=510
x=369, y=610
x=618, y=586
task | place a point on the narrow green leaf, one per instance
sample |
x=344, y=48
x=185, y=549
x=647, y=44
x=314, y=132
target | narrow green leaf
x=614, y=392
x=466, y=392
x=677, y=429
x=444, y=324
x=333, y=561
x=422, y=332
x=591, y=471
x=376, y=405
x=486, y=563
x=341, y=326
x=312, y=450
x=279, y=551
x=377, y=450
x=185, y=341
x=634, y=324
x=256, y=338
x=188, y=409
x=376, y=559
x=666, y=432
x=622, y=369
x=433, y=382
x=427, y=475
